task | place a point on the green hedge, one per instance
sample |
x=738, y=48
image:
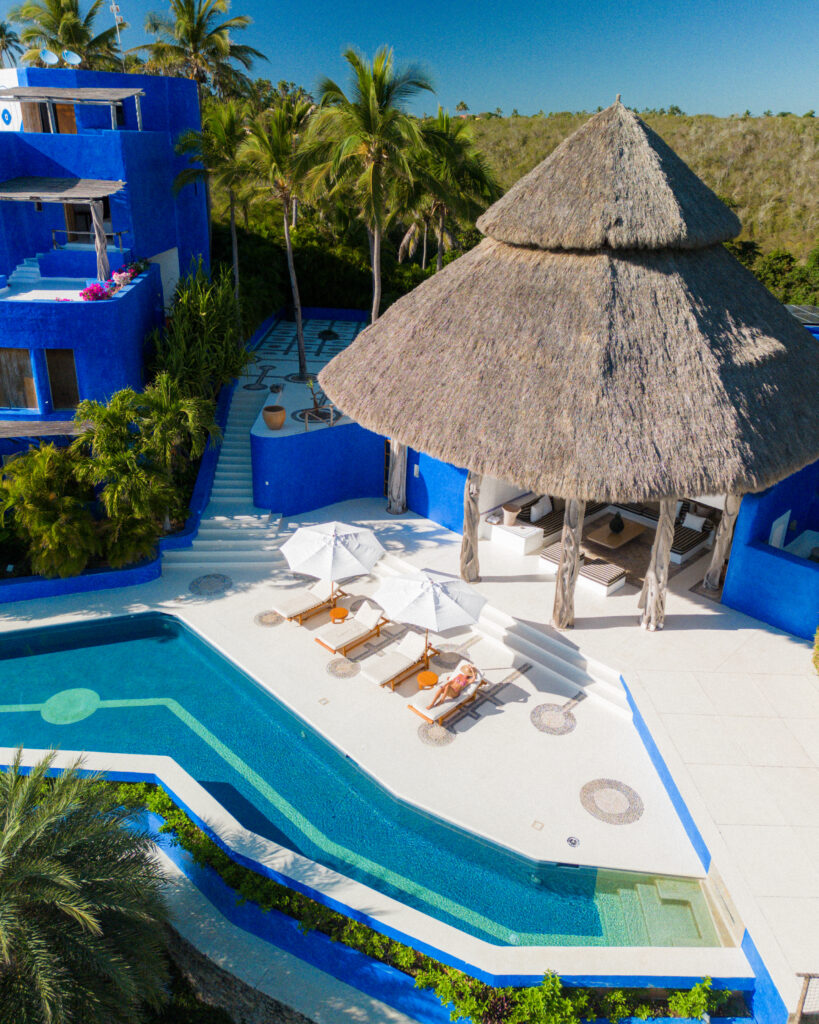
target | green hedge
x=548, y=1003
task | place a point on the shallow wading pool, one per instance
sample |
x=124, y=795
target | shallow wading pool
x=146, y=684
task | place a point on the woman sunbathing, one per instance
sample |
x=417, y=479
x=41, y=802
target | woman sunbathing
x=454, y=686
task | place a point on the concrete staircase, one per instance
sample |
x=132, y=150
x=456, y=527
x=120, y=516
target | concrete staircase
x=26, y=274
x=233, y=533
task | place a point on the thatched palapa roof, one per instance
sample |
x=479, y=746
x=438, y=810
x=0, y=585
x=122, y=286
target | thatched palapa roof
x=601, y=343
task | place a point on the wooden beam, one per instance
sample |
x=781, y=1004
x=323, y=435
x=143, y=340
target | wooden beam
x=470, y=567
x=563, y=613
x=652, y=598
x=397, y=479
x=722, y=542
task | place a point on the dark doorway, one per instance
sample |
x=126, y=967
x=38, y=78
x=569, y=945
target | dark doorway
x=62, y=378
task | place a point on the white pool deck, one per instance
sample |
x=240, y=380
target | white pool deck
x=732, y=704
x=45, y=289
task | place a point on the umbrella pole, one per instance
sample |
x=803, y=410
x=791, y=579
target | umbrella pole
x=652, y=598
x=563, y=613
x=426, y=648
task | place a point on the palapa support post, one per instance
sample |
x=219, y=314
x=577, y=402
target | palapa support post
x=397, y=479
x=470, y=567
x=722, y=542
x=100, y=242
x=563, y=613
x=652, y=598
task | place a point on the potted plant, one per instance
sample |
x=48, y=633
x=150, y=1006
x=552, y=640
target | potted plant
x=274, y=416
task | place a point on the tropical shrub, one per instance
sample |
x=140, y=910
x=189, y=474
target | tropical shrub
x=202, y=345
x=81, y=907
x=48, y=504
x=139, y=447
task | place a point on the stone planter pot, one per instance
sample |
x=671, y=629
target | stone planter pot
x=510, y=514
x=274, y=416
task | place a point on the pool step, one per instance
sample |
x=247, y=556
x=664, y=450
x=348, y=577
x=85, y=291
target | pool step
x=669, y=922
x=633, y=920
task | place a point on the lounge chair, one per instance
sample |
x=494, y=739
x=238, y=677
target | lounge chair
x=391, y=666
x=448, y=707
x=341, y=637
x=307, y=601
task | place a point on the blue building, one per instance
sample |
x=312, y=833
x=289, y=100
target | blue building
x=68, y=139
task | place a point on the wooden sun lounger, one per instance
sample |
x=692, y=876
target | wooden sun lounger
x=343, y=637
x=393, y=666
x=316, y=598
x=443, y=711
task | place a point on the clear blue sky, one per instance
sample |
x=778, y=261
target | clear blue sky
x=703, y=55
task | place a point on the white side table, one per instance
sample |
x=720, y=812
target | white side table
x=522, y=538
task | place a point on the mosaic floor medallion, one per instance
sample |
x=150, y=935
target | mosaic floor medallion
x=69, y=706
x=552, y=718
x=611, y=801
x=210, y=584
x=343, y=668
x=434, y=735
x=268, y=618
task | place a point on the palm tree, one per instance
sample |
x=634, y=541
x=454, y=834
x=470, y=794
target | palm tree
x=10, y=48
x=271, y=153
x=81, y=905
x=175, y=428
x=60, y=25
x=194, y=43
x=131, y=485
x=367, y=139
x=214, y=151
x=43, y=491
x=459, y=181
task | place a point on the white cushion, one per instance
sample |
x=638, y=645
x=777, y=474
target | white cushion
x=694, y=522
x=411, y=646
x=323, y=589
x=542, y=507
x=368, y=615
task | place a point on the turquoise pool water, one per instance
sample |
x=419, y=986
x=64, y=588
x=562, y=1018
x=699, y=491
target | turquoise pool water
x=146, y=684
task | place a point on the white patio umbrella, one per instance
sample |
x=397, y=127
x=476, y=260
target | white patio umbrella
x=332, y=551
x=431, y=600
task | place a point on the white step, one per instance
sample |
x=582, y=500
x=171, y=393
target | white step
x=228, y=544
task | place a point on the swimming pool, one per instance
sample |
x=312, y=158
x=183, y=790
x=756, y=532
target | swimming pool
x=146, y=684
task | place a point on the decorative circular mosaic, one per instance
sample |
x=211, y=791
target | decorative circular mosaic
x=448, y=659
x=210, y=584
x=435, y=735
x=320, y=415
x=343, y=668
x=69, y=706
x=611, y=801
x=553, y=719
x=296, y=378
x=268, y=618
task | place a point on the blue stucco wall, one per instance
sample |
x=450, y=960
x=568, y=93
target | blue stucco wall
x=153, y=218
x=437, y=492
x=299, y=472
x=765, y=582
x=107, y=338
